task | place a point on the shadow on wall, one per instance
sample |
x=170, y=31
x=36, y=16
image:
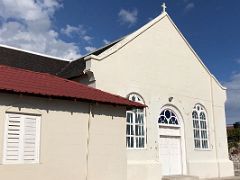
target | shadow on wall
x=38, y=104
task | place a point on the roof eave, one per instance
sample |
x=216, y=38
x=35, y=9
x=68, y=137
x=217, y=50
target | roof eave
x=134, y=105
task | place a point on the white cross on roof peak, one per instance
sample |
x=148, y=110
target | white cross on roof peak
x=164, y=7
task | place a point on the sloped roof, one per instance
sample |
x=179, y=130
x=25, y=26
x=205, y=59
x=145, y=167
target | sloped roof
x=22, y=81
x=14, y=57
x=75, y=68
x=37, y=62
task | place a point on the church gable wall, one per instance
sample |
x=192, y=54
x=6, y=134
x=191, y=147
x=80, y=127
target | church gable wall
x=158, y=57
x=158, y=64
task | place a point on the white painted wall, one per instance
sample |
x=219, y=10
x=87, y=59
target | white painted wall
x=159, y=64
x=63, y=142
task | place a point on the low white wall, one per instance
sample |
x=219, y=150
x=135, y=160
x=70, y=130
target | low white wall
x=107, y=148
x=64, y=134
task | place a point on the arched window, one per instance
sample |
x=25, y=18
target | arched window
x=200, y=129
x=169, y=117
x=135, y=131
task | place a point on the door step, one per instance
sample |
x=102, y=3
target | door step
x=180, y=177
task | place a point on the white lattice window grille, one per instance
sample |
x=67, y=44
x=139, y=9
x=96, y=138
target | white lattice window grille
x=21, y=141
x=135, y=130
x=168, y=117
x=200, y=130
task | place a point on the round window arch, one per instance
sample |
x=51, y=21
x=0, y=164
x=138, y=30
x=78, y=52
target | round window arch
x=168, y=117
x=136, y=98
x=200, y=127
x=136, y=127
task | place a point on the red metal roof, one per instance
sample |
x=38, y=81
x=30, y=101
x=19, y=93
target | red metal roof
x=41, y=84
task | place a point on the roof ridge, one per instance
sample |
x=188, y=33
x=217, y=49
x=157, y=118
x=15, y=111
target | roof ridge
x=100, y=48
x=34, y=53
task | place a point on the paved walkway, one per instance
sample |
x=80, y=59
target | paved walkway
x=196, y=178
x=228, y=178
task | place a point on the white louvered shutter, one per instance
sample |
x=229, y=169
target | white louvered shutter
x=30, y=139
x=12, y=138
x=21, y=139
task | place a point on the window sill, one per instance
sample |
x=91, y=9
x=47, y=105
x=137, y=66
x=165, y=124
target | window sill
x=169, y=125
x=198, y=149
x=20, y=163
x=136, y=149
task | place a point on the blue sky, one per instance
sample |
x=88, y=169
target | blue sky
x=71, y=28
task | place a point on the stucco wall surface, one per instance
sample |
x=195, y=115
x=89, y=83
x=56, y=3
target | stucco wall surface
x=73, y=143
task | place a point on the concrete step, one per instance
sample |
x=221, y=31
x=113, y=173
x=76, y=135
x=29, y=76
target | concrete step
x=180, y=177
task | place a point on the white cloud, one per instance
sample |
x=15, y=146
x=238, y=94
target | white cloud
x=189, y=6
x=70, y=30
x=28, y=25
x=79, y=30
x=90, y=48
x=26, y=10
x=233, y=95
x=128, y=17
x=105, y=41
x=87, y=38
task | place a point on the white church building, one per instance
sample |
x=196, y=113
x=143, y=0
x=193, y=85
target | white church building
x=182, y=130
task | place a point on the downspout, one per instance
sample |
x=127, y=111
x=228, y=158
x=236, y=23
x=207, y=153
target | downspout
x=88, y=139
x=214, y=124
